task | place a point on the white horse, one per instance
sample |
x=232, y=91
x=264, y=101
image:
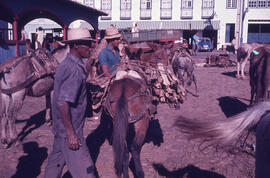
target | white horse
x=243, y=54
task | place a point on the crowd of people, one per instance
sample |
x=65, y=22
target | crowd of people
x=40, y=40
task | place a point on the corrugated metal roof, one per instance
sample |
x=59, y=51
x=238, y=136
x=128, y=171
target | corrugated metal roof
x=150, y=25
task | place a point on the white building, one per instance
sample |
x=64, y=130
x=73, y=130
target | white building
x=217, y=19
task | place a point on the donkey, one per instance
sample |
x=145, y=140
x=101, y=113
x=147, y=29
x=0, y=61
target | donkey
x=243, y=54
x=259, y=73
x=182, y=64
x=18, y=79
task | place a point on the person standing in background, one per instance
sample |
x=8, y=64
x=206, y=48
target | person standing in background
x=195, y=42
x=39, y=38
x=23, y=35
x=135, y=30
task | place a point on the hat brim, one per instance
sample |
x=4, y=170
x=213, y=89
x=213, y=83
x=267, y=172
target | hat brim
x=81, y=39
x=118, y=35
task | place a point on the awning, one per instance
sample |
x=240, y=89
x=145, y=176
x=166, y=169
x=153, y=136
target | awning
x=150, y=25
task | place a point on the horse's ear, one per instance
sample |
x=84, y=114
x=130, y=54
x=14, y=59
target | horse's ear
x=127, y=51
x=139, y=53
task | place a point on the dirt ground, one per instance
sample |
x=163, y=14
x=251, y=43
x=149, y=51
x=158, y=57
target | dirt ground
x=166, y=153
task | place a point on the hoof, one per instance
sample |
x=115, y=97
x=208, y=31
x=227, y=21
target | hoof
x=48, y=122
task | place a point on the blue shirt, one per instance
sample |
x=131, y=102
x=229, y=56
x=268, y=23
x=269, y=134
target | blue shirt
x=107, y=57
x=195, y=39
x=70, y=86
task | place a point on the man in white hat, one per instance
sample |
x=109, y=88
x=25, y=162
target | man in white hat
x=68, y=111
x=110, y=56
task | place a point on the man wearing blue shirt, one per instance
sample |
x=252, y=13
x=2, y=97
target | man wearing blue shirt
x=109, y=56
x=195, y=43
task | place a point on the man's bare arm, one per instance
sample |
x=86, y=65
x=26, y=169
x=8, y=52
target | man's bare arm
x=74, y=142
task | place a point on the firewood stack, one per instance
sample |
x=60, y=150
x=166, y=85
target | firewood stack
x=166, y=88
x=221, y=60
x=161, y=82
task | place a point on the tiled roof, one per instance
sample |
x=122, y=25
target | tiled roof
x=150, y=25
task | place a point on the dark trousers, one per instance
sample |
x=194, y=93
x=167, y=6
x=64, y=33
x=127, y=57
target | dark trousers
x=194, y=49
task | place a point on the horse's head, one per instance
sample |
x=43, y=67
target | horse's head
x=61, y=52
x=133, y=53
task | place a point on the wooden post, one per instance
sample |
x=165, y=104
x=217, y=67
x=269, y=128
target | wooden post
x=65, y=32
x=15, y=35
x=239, y=23
x=96, y=37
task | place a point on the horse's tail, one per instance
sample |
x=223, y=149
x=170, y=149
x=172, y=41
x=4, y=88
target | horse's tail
x=241, y=53
x=223, y=132
x=120, y=132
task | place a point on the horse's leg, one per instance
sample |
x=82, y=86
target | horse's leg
x=243, y=64
x=5, y=100
x=180, y=76
x=252, y=92
x=125, y=162
x=140, y=132
x=259, y=88
x=238, y=70
x=14, y=107
x=195, y=83
x=48, y=108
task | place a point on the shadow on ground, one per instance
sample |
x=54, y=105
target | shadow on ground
x=33, y=123
x=230, y=74
x=233, y=74
x=231, y=105
x=189, y=171
x=30, y=164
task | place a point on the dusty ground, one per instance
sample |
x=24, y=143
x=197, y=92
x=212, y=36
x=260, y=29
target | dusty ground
x=166, y=153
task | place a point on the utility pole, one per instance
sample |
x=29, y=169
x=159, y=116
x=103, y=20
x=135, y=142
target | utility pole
x=239, y=23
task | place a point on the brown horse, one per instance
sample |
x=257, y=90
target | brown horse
x=18, y=79
x=149, y=53
x=259, y=73
x=128, y=104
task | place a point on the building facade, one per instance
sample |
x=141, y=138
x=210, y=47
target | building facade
x=217, y=19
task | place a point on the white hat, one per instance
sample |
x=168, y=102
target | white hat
x=78, y=34
x=112, y=32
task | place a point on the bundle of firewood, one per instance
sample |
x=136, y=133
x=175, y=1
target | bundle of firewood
x=166, y=88
x=221, y=60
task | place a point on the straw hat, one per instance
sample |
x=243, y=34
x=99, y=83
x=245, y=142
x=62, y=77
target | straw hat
x=111, y=33
x=78, y=34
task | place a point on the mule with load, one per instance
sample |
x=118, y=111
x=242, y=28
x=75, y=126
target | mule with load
x=131, y=95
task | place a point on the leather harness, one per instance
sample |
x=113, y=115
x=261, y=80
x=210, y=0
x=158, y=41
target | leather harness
x=35, y=75
x=141, y=92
